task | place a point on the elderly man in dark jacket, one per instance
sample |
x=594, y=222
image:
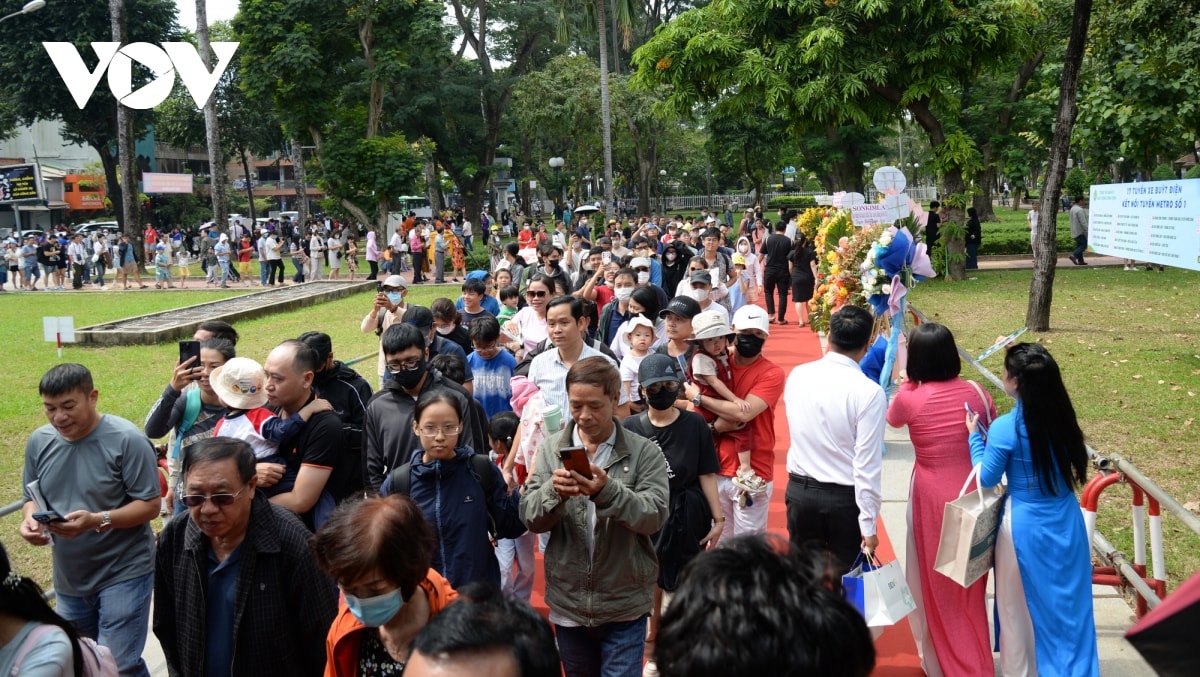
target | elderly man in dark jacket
x=235, y=583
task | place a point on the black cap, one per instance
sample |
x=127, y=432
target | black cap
x=420, y=317
x=701, y=277
x=683, y=306
x=657, y=368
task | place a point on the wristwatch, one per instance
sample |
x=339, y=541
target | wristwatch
x=696, y=400
x=105, y=522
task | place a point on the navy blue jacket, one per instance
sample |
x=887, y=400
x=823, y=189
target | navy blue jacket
x=452, y=501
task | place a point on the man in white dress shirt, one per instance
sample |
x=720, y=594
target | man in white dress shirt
x=836, y=416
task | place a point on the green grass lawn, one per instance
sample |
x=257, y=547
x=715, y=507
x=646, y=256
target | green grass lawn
x=130, y=378
x=1127, y=346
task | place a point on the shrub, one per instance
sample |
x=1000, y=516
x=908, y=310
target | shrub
x=1163, y=172
x=1193, y=173
x=796, y=202
x=1076, y=183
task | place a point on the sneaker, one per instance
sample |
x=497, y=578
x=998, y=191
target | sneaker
x=749, y=482
x=651, y=669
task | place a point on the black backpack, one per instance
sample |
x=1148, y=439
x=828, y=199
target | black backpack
x=480, y=468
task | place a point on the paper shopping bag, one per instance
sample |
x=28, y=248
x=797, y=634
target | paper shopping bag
x=968, y=541
x=879, y=592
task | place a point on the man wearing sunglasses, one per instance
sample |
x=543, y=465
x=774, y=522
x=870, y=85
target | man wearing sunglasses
x=235, y=539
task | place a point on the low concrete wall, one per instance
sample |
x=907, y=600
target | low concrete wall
x=170, y=325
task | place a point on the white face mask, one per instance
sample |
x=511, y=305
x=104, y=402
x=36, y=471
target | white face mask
x=700, y=294
x=623, y=294
x=643, y=277
x=445, y=331
x=744, y=248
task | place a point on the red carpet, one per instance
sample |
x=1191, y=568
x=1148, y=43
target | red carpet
x=788, y=346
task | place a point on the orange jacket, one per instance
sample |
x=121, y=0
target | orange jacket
x=344, y=639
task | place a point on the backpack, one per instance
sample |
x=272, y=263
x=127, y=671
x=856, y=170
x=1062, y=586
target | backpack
x=481, y=470
x=191, y=411
x=98, y=661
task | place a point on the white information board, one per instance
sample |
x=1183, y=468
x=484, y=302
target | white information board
x=1155, y=221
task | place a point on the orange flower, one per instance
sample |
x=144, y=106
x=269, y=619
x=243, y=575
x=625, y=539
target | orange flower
x=663, y=63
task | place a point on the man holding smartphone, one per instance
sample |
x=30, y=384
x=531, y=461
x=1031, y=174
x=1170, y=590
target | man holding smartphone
x=601, y=568
x=100, y=473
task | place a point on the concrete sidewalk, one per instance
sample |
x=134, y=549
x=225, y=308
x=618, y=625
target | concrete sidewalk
x=1113, y=615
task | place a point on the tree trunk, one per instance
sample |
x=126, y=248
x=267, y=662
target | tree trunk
x=249, y=186
x=433, y=186
x=953, y=184
x=301, y=176
x=1041, y=289
x=212, y=127
x=986, y=179
x=125, y=146
x=605, y=106
x=111, y=177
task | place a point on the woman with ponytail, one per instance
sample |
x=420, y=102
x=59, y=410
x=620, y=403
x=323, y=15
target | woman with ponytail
x=1043, y=562
x=34, y=641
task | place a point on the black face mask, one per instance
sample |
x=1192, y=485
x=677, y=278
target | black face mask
x=662, y=400
x=749, y=346
x=409, y=378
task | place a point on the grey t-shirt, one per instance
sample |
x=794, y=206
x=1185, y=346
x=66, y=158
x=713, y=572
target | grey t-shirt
x=111, y=467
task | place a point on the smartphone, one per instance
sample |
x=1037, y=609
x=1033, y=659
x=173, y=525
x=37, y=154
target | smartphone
x=188, y=350
x=48, y=517
x=575, y=458
x=683, y=372
x=606, y=257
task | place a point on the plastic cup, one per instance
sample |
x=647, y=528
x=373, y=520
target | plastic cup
x=552, y=416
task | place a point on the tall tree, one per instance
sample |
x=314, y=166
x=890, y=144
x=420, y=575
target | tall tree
x=34, y=90
x=1041, y=289
x=839, y=63
x=212, y=125
x=128, y=215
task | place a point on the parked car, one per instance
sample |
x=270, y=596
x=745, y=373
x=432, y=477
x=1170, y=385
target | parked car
x=109, y=227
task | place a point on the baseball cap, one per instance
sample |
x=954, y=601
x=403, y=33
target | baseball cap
x=683, y=306
x=239, y=383
x=395, y=281
x=657, y=368
x=419, y=317
x=701, y=277
x=640, y=262
x=751, y=317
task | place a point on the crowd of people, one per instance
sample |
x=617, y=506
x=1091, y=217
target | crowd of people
x=319, y=249
x=604, y=399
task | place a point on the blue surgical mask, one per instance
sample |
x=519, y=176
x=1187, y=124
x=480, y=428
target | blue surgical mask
x=375, y=611
x=395, y=297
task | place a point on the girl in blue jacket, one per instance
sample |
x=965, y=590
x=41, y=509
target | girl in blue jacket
x=461, y=494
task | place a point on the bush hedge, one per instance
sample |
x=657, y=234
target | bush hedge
x=792, y=202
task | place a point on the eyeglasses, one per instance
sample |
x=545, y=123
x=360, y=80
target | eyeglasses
x=430, y=431
x=407, y=365
x=486, y=349
x=656, y=388
x=219, y=500
x=536, y=294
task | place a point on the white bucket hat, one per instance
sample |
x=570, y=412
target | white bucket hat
x=709, y=324
x=239, y=383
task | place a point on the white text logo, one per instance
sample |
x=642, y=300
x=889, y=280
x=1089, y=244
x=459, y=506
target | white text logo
x=163, y=61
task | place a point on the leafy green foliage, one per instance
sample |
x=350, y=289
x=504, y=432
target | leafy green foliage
x=792, y=202
x=1164, y=172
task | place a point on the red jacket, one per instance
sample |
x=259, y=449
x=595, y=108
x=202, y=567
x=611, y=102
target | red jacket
x=345, y=638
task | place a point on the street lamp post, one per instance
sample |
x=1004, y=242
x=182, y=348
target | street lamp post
x=31, y=6
x=556, y=163
x=662, y=199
